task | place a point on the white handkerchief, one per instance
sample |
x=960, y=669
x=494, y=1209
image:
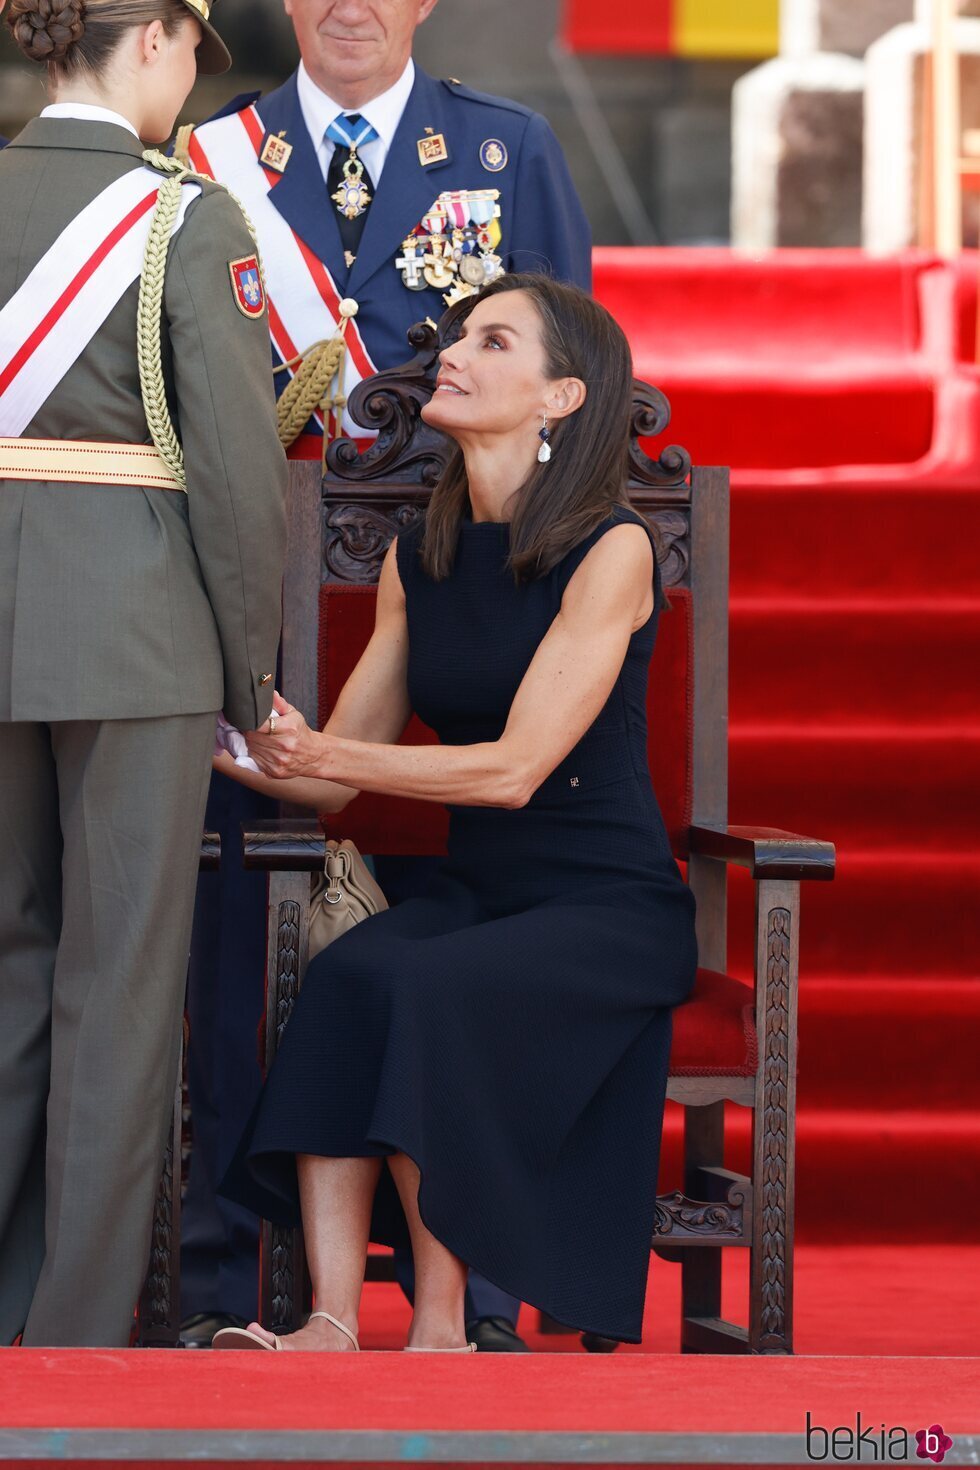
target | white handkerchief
x=228, y=738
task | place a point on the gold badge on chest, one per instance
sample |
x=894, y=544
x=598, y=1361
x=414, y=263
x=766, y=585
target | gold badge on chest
x=432, y=148
x=275, y=152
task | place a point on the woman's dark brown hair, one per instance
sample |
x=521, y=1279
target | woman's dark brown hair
x=72, y=36
x=562, y=501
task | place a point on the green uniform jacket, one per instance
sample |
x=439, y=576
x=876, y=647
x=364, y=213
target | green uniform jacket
x=121, y=602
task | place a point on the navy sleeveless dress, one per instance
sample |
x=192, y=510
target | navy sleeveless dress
x=510, y=1029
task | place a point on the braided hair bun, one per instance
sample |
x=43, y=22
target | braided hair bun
x=46, y=30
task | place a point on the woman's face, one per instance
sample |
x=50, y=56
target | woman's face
x=494, y=378
x=169, y=73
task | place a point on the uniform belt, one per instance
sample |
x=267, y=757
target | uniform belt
x=86, y=462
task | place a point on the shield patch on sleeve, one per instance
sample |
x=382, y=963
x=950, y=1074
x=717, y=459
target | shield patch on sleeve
x=246, y=284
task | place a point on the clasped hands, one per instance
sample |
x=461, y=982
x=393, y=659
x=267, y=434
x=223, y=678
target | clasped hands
x=293, y=749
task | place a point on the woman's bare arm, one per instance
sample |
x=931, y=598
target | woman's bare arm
x=566, y=685
x=372, y=706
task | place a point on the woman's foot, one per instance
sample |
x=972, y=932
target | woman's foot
x=436, y=1336
x=320, y=1335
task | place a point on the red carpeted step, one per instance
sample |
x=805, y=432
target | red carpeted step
x=879, y=1043
x=885, y=914
x=864, y=1174
x=501, y=1408
x=778, y=424
x=863, y=786
x=849, y=540
x=805, y=358
x=816, y=660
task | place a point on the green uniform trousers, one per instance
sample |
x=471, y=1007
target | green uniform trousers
x=100, y=831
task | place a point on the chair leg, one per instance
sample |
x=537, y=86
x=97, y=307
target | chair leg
x=282, y=1266
x=774, y=1118
x=704, y=1146
x=282, y=1260
x=158, y=1314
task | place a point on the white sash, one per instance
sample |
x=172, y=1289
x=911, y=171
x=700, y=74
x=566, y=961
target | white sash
x=303, y=299
x=47, y=324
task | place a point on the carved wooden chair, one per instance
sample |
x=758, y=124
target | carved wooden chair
x=732, y=1040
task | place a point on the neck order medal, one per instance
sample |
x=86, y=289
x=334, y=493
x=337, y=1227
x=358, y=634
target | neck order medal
x=352, y=197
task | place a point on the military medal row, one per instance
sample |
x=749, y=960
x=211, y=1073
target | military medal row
x=454, y=245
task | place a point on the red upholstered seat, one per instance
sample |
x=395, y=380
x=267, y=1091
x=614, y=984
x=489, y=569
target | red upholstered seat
x=714, y=1031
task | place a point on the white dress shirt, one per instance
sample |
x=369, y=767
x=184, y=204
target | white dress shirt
x=384, y=113
x=88, y=112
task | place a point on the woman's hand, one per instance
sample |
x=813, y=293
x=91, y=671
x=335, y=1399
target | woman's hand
x=292, y=750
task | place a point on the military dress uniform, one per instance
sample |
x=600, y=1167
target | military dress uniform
x=459, y=185
x=139, y=594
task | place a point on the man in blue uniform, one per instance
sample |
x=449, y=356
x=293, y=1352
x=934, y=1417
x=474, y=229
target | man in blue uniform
x=379, y=195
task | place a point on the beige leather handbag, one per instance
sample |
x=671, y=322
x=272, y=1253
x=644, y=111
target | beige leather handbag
x=344, y=896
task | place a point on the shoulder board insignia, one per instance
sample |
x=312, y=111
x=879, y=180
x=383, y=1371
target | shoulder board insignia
x=493, y=155
x=246, y=285
x=182, y=143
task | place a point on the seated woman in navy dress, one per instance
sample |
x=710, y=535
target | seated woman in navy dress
x=517, y=620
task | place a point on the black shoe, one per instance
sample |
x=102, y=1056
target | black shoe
x=197, y=1331
x=495, y=1335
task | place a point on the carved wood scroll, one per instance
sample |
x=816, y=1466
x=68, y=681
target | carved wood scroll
x=368, y=498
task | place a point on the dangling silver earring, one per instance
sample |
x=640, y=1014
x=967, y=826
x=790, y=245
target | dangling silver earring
x=544, y=434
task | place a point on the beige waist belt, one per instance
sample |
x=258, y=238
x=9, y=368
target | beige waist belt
x=87, y=462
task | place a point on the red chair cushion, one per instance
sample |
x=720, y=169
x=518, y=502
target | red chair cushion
x=714, y=1031
x=386, y=824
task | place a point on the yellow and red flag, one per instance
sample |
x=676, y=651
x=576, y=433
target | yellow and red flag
x=696, y=28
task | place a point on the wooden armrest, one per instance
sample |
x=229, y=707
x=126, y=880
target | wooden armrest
x=289, y=845
x=765, y=851
x=210, y=852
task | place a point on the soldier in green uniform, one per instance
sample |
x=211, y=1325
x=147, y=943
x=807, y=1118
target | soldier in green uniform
x=142, y=538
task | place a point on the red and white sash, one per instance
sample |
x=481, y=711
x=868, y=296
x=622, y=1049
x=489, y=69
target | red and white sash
x=304, y=302
x=51, y=319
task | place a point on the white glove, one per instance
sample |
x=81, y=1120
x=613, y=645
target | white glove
x=226, y=737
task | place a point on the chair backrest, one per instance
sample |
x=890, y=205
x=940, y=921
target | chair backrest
x=341, y=527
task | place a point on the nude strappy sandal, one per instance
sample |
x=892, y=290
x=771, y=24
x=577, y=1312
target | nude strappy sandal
x=240, y=1337
x=469, y=1348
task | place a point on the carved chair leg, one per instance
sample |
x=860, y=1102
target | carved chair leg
x=281, y=1277
x=704, y=1147
x=282, y=1268
x=158, y=1315
x=774, y=1119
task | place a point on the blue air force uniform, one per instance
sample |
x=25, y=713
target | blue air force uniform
x=433, y=140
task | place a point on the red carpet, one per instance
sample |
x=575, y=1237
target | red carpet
x=99, y=1408
x=881, y=1331
x=838, y=389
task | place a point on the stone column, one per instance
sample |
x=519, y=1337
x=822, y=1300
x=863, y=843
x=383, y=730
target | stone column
x=847, y=26
x=797, y=124
x=796, y=152
x=893, y=131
